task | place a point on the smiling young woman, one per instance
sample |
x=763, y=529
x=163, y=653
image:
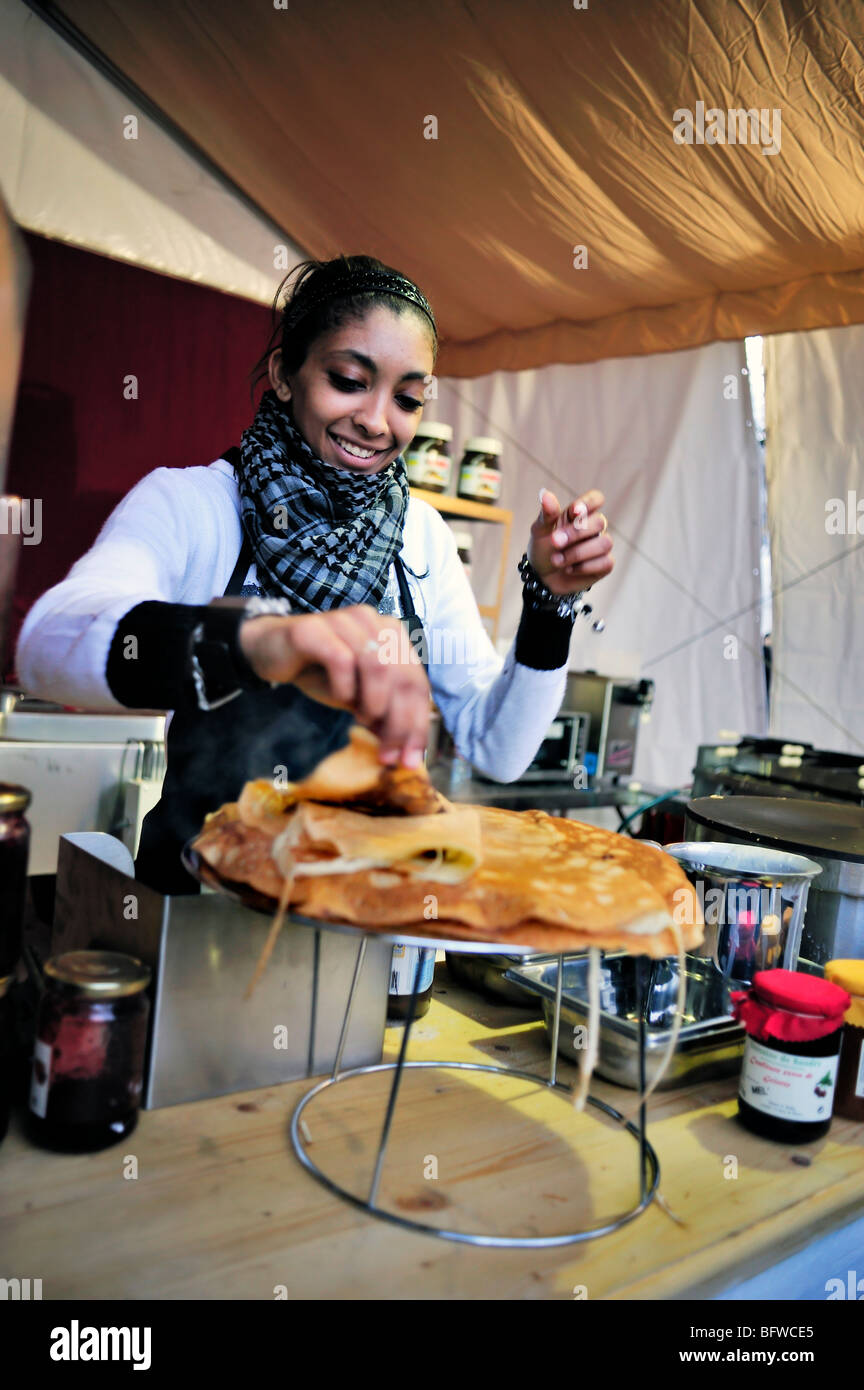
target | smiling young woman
x=308, y=534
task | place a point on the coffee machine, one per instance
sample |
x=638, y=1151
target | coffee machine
x=615, y=708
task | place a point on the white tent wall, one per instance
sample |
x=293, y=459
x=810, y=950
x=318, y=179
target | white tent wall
x=664, y=436
x=68, y=171
x=815, y=468
x=667, y=438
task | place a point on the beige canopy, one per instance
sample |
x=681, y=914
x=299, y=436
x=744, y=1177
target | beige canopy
x=566, y=182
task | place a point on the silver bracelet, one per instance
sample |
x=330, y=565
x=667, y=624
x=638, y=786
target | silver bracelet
x=542, y=599
x=260, y=607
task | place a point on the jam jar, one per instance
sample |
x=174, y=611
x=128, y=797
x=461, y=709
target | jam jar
x=14, y=848
x=427, y=458
x=88, y=1058
x=849, y=1095
x=480, y=470
x=793, y=1023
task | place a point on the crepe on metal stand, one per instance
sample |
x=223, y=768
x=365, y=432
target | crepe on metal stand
x=380, y=849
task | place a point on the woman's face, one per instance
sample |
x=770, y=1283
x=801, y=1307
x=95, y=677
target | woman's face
x=360, y=389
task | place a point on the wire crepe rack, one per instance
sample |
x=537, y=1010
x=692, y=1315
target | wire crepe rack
x=648, y=1170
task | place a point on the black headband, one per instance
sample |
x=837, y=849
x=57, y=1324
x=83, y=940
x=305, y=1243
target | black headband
x=360, y=282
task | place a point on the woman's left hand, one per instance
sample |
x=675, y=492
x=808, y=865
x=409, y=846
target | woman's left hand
x=569, y=548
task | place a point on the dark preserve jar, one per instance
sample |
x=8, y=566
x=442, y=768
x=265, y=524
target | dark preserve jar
x=6, y=1055
x=794, y=1025
x=14, y=848
x=88, y=1058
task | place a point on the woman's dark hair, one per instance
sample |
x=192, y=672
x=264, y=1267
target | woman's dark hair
x=311, y=278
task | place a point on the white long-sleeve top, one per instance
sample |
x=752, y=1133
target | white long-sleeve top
x=176, y=538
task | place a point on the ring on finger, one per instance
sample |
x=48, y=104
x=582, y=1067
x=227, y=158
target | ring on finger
x=604, y=527
x=371, y=645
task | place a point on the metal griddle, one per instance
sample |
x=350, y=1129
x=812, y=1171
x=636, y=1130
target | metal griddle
x=820, y=829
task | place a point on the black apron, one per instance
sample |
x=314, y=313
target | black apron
x=210, y=754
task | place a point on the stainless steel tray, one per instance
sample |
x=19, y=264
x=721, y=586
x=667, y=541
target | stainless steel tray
x=710, y=1043
x=489, y=974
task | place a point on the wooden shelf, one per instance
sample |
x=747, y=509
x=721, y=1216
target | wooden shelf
x=457, y=506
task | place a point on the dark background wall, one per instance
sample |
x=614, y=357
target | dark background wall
x=77, y=442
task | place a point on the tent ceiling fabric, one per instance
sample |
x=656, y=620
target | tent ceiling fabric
x=555, y=129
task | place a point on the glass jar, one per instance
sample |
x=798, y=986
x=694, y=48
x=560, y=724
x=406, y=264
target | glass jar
x=88, y=1058
x=480, y=470
x=793, y=1023
x=427, y=458
x=463, y=547
x=14, y=849
x=402, y=969
x=6, y=1056
x=849, y=1094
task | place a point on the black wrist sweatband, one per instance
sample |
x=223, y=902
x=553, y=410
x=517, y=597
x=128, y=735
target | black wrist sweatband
x=148, y=660
x=543, y=639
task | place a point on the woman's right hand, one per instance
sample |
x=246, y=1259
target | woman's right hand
x=345, y=657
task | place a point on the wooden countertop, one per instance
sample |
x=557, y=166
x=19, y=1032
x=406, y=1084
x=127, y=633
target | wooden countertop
x=221, y=1208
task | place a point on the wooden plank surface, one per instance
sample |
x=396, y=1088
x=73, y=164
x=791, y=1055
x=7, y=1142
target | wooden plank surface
x=450, y=505
x=221, y=1208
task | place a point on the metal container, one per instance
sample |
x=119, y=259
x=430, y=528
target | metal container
x=753, y=901
x=831, y=833
x=205, y=1039
x=709, y=1045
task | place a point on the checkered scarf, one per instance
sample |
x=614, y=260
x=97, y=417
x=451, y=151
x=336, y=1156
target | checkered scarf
x=322, y=537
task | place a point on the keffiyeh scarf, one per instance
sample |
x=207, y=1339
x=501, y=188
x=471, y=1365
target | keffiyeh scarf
x=322, y=537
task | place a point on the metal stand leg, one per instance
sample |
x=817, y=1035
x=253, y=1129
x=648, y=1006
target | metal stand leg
x=644, y=994
x=556, y=1023
x=358, y=966
x=397, y=1078
x=649, y=1164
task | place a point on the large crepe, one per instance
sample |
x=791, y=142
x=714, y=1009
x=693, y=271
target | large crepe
x=473, y=873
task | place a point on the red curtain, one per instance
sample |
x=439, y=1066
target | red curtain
x=78, y=443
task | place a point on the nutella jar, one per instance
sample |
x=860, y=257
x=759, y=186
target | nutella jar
x=427, y=458
x=849, y=1094
x=88, y=1058
x=480, y=470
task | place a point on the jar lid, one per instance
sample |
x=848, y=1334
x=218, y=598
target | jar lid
x=803, y=994
x=429, y=429
x=482, y=444
x=99, y=974
x=848, y=974
x=13, y=798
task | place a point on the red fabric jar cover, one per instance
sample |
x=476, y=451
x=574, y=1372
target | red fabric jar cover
x=791, y=1006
